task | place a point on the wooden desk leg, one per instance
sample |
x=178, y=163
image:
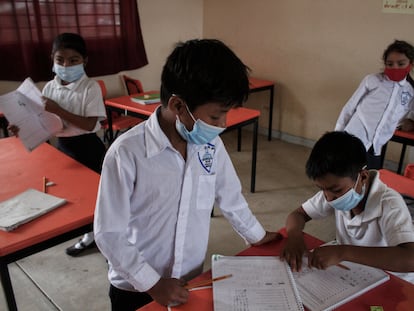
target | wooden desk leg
x=7, y=287
x=254, y=155
x=272, y=93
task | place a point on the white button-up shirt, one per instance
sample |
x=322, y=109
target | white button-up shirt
x=153, y=210
x=82, y=97
x=385, y=221
x=375, y=110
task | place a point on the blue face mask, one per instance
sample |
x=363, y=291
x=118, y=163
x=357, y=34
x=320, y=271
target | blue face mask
x=349, y=200
x=70, y=73
x=201, y=134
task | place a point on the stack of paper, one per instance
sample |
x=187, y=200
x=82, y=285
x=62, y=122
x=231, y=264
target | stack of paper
x=146, y=99
x=26, y=206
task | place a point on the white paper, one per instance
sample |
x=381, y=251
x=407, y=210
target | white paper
x=330, y=288
x=24, y=108
x=26, y=206
x=258, y=283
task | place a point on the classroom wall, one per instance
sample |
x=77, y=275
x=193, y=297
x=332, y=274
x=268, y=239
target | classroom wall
x=317, y=52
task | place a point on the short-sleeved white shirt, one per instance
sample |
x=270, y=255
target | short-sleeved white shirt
x=153, y=210
x=386, y=220
x=82, y=97
x=375, y=110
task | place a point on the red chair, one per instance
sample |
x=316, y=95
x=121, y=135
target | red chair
x=120, y=123
x=132, y=85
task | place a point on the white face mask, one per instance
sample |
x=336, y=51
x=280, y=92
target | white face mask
x=349, y=200
x=69, y=73
x=201, y=134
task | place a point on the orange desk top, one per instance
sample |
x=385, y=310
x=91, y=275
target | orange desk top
x=395, y=294
x=255, y=83
x=20, y=170
x=398, y=182
x=408, y=135
x=234, y=116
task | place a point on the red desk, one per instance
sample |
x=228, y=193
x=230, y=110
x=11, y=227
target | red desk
x=20, y=170
x=258, y=85
x=395, y=294
x=402, y=184
x=405, y=138
x=236, y=119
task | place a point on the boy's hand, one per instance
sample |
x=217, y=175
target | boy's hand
x=51, y=106
x=293, y=251
x=169, y=292
x=269, y=237
x=325, y=256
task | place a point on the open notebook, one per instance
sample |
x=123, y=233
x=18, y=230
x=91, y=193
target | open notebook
x=26, y=206
x=257, y=283
x=322, y=290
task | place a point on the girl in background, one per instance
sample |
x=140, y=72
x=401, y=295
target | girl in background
x=382, y=102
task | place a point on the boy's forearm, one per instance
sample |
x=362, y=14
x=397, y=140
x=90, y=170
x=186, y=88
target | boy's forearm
x=295, y=222
x=396, y=258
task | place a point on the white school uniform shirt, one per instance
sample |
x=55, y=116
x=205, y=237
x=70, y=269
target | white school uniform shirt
x=375, y=110
x=386, y=220
x=153, y=210
x=82, y=97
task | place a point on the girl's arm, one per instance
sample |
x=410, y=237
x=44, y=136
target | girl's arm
x=85, y=123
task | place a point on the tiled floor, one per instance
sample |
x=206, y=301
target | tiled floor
x=51, y=280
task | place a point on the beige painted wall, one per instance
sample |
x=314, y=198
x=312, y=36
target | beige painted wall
x=317, y=52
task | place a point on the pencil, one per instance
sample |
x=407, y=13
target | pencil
x=44, y=183
x=207, y=282
x=343, y=266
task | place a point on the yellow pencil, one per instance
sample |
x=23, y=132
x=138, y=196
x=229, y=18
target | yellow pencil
x=207, y=282
x=343, y=266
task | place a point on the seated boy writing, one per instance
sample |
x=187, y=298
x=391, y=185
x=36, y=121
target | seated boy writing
x=161, y=179
x=373, y=224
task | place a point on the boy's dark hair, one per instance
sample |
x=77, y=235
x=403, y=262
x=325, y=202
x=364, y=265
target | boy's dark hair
x=69, y=41
x=337, y=153
x=204, y=70
x=402, y=47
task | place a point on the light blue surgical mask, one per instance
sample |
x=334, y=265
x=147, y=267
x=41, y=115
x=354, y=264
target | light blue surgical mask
x=349, y=200
x=201, y=134
x=69, y=73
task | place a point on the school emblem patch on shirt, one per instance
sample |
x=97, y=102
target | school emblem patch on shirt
x=206, y=156
x=405, y=98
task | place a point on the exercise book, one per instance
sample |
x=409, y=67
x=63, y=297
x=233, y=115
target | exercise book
x=258, y=283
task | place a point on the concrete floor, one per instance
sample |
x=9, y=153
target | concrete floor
x=51, y=280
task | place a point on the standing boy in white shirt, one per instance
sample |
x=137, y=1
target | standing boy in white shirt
x=161, y=179
x=373, y=224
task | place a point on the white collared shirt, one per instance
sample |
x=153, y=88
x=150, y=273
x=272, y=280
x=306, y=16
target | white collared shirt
x=375, y=110
x=385, y=221
x=153, y=210
x=82, y=97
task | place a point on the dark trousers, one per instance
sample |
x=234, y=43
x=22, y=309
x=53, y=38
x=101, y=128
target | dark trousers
x=373, y=161
x=87, y=149
x=122, y=300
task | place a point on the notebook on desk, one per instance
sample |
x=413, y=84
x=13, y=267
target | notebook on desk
x=146, y=99
x=257, y=283
x=323, y=290
x=25, y=207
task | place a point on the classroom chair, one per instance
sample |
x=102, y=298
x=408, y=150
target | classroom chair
x=409, y=171
x=133, y=86
x=120, y=122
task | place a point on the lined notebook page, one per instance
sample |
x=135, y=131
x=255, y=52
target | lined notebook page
x=330, y=288
x=258, y=283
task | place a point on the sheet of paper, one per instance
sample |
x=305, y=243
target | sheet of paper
x=257, y=283
x=26, y=206
x=24, y=108
x=327, y=289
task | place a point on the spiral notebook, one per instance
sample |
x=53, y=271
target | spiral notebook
x=323, y=290
x=257, y=283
